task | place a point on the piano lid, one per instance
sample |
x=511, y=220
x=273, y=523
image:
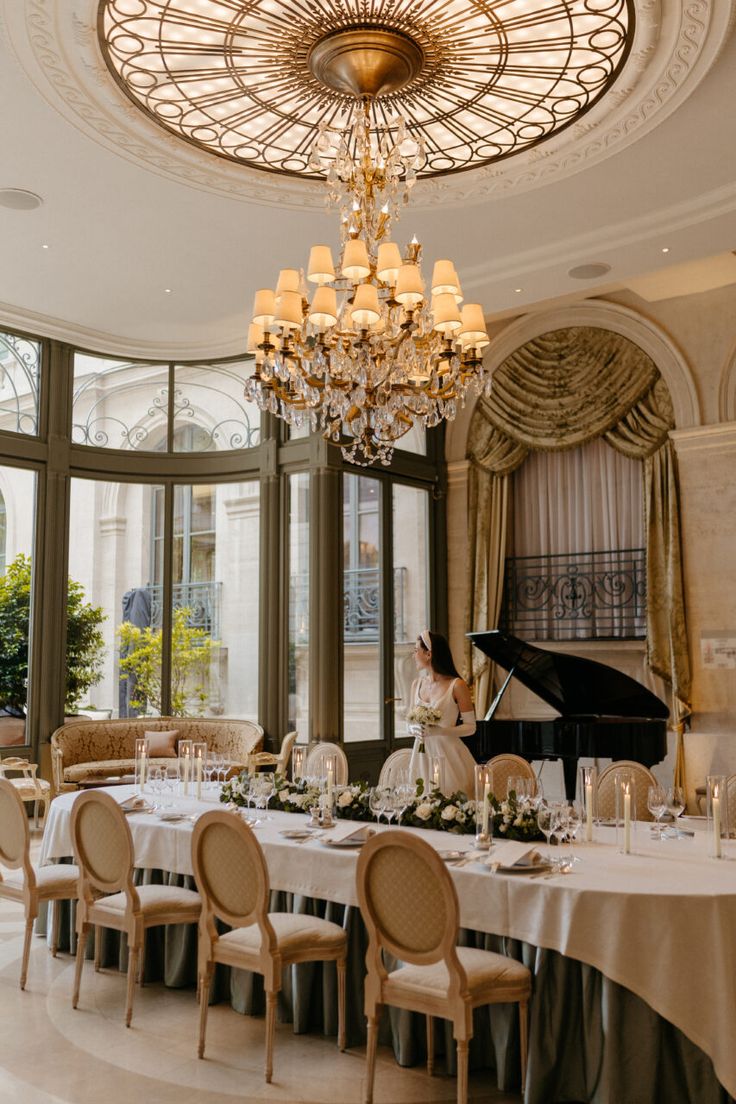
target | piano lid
x=572, y=685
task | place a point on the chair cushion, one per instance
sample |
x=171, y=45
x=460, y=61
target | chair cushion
x=155, y=899
x=26, y=786
x=293, y=932
x=162, y=744
x=49, y=879
x=104, y=768
x=484, y=969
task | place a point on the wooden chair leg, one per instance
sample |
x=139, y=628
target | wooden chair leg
x=370, y=1054
x=462, y=1071
x=35, y=815
x=203, y=988
x=523, y=1040
x=341, y=985
x=81, y=941
x=270, y=1024
x=142, y=968
x=133, y=954
x=26, y=951
x=98, y=947
x=55, y=907
x=430, y=1045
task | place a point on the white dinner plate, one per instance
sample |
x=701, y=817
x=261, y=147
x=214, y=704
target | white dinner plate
x=349, y=842
x=451, y=856
x=171, y=815
x=530, y=868
x=295, y=833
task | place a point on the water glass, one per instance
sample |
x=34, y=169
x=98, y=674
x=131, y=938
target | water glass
x=675, y=798
x=657, y=806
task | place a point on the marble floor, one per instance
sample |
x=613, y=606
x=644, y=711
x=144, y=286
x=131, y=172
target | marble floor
x=50, y=1054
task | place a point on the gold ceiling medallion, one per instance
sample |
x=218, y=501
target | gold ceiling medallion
x=256, y=80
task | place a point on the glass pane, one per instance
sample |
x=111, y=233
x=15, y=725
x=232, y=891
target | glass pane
x=118, y=404
x=18, y=496
x=114, y=642
x=214, y=654
x=208, y=400
x=298, y=432
x=362, y=608
x=411, y=589
x=415, y=440
x=299, y=604
x=20, y=361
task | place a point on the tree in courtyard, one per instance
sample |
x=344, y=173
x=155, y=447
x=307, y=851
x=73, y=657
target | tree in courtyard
x=191, y=653
x=85, y=644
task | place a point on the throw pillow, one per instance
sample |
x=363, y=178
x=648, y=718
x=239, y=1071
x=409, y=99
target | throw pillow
x=161, y=745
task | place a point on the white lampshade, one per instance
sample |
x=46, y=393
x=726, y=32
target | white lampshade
x=323, y=312
x=288, y=281
x=264, y=307
x=366, y=309
x=355, y=263
x=445, y=314
x=473, y=333
x=388, y=263
x=321, y=269
x=444, y=278
x=289, y=313
x=255, y=338
x=409, y=286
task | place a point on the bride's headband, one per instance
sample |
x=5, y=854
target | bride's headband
x=425, y=639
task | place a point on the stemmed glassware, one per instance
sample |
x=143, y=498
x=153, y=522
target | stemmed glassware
x=546, y=820
x=377, y=802
x=675, y=799
x=657, y=806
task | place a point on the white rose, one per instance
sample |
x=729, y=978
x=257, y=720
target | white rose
x=449, y=812
x=503, y=827
x=345, y=799
x=423, y=811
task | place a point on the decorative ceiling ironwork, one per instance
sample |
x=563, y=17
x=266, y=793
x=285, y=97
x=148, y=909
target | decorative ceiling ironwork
x=487, y=78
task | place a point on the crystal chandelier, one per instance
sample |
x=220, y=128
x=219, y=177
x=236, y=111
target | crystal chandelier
x=372, y=351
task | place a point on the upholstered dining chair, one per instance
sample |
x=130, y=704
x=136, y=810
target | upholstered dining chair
x=278, y=763
x=731, y=803
x=317, y=756
x=510, y=766
x=410, y=909
x=103, y=847
x=27, y=884
x=232, y=877
x=643, y=778
x=396, y=762
x=27, y=784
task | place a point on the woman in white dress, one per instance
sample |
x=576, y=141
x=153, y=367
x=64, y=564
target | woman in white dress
x=440, y=686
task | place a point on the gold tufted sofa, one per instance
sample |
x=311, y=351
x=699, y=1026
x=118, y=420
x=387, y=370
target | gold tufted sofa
x=87, y=748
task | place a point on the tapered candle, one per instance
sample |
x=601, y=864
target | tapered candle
x=627, y=820
x=486, y=795
x=330, y=781
x=198, y=776
x=717, y=827
x=143, y=768
x=187, y=770
x=588, y=812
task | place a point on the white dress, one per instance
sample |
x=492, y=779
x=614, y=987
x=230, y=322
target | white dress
x=458, y=762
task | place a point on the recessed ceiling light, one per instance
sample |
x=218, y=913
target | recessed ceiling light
x=168, y=291
x=666, y=249
x=589, y=271
x=18, y=199
x=517, y=290
x=44, y=246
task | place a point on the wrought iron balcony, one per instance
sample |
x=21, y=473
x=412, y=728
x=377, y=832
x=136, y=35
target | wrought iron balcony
x=576, y=596
x=361, y=605
x=202, y=599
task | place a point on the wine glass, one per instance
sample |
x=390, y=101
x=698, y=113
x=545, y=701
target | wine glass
x=264, y=791
x=546, y=823
x=675, y=799
x=377, y=802
x=657, y=806
x=574, y=820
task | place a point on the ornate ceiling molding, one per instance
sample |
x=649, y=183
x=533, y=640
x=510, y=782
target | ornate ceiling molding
x=674, y=47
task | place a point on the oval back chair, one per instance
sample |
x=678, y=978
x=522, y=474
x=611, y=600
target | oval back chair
x=606, y=794
x=396, y=763
x=318, y=757
x=508, y=766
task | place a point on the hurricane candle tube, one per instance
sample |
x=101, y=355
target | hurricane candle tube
x=717, y=813
x=625, y=790
x=140, y=762
x=483, y=791
x=437, y=772
x=588, y=787
x=297, y=763
x=185, y=765
x=199, y=753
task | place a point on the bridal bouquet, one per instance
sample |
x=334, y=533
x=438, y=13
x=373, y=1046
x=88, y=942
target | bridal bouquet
x=423, y=715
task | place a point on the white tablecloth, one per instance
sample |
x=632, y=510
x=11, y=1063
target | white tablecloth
x=661, y=922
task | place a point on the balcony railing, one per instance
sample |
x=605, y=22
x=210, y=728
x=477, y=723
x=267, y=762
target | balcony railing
x=203, y=599
x=576, y=596
x=361, y=605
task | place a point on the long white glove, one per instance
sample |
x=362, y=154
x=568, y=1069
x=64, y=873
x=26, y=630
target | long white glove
x=467, y=728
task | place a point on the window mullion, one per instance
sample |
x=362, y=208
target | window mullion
x=166, y=599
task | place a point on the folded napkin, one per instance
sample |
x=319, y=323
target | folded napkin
x=511, y=853
x=348, y=831
x=134, y=804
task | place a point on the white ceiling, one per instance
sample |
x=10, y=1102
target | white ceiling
x=127, y=213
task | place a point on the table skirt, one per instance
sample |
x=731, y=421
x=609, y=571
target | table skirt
x=590, y=1040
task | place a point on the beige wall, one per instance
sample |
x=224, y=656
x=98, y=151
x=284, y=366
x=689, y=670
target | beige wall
x=697, y=334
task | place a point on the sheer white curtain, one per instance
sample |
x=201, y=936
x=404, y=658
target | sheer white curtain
x=587, y=499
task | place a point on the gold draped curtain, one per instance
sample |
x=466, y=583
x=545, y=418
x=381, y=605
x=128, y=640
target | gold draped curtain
x=559, y=391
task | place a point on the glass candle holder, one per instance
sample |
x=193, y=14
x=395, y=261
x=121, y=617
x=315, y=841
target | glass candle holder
x=588, y=795
x=186, y=760
x=141, y=762
x=199, y=758
x=330, y=768
x=624, y=785
x=437, y=772
x=716, y=813
x=298, y=755
x=483, y=808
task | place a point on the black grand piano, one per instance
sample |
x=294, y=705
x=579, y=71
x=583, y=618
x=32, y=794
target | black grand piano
x=603, y=713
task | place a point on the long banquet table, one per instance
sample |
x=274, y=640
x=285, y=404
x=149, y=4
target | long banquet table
x=660, y=923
